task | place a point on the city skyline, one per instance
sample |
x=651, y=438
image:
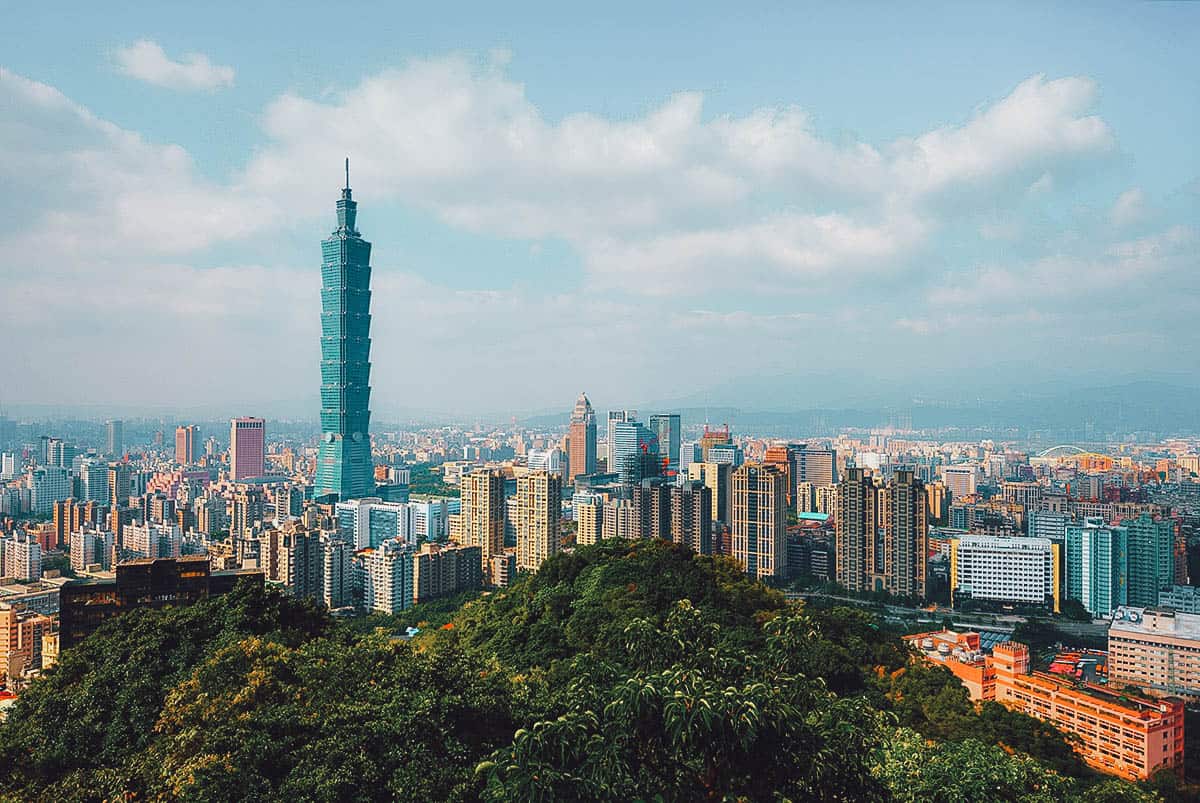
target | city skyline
x=654, y=209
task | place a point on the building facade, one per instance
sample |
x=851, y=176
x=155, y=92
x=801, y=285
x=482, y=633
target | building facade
x=247, y=448
x=1022, y=571
x=581, y=439
x=759, y=520
x=539, y=504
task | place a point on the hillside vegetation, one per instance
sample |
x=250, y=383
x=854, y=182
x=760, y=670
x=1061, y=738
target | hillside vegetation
x=623, y=671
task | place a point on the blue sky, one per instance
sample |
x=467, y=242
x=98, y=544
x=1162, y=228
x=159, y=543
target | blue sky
x=777, y=207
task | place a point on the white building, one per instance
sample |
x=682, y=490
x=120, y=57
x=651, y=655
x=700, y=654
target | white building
x=153, y=540
x=431, y=519
x=960, y=480
x=545, y=460
x=387, y=577
x=91, y=548
x=1023, y=571
x=1047, y=524
x=8, y=466
x=370, y=521
x=93, y=478
x=21, y=558
x=338, y=575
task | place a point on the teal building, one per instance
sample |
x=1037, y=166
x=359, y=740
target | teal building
x=1098, y=566
x=344, y=466
x=1151, y=558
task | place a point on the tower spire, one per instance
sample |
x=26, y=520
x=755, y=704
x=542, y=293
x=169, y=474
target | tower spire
x=347, y=172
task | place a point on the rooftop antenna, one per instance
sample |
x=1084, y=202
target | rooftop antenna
x=347, y=172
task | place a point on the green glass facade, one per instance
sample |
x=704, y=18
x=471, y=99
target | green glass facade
x=344, y=465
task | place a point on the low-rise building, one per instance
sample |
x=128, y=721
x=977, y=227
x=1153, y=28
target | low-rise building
x=1157, y=649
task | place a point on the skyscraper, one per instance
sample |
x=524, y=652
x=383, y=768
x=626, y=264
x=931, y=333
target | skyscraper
x=759, y=520
x=344, y=467
x=667, y=427
x=247, y=438
x=615, y=417
x=185, y=444
x=634, y=450
x=1098, y=565
x=581, y=459
x=481, y=522
x=115, y=440
x=1151, y=558
x=881, y=533
x=539, y=502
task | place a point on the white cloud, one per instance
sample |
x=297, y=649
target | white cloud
x=147, y=61
x=1129, y=208
x=667, y=196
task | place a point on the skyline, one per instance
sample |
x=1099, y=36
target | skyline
x=526, y=213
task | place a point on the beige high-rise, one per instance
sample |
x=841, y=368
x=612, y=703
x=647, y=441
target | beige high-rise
x=539, y=503
x=759, y=514
x=481, y=521
x=881, y=533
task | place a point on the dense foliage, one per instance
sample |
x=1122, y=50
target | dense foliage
x=624, y=671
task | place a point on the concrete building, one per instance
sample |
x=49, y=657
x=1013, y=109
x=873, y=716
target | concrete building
x=49, y=484
x=503, y=569
x=717, y=478
x=1021, y=571
x=152, y=540
x=587, y=509
x=1117, y=733
x=1157, y=649
x=691, y=516
x=960, y=480
x=881, y=533
x=21, y=558
x=759, y=520
x=550, y=460
x=370, y=521
x=1185, y=599
x=90, y=550
x=1047, y=524
x=1151, y=547
x=1097, y=561
x=539, y=503
x=581, y=439
x=247, y=448
x=114, y=431
x=387, y=573
x=441, y=570
x=186, y=441
x=481, y=522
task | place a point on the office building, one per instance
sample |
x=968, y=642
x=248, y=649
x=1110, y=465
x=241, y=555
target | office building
x=1155, y=648
x=615, y=417
x=759, y=520
x=634, y=450
x=817, y=467
x=1026, y=494
x=50, y=484
x=1151, y=547
x=370, y=521
x=1018, y=571
x=441, y=570
x=1097, y=566
x=481, y=520
x=247, y=448
x=119, y=478
x=60, y=453
x=344, y=465
x=8, y=466
x=550, y=460
x=186, y=441
x=86, y=604
x=93, y=481
x=114, y=431
x=668, y=430
x=1047, y=524
x=581, y=439
x=960, y=480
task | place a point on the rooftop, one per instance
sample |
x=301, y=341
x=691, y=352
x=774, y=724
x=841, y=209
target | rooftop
x=1156, y=621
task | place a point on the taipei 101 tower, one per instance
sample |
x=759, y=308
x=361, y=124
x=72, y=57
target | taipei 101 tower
x=344, y=466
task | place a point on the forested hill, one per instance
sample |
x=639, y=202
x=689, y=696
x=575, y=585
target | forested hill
x=624, y=671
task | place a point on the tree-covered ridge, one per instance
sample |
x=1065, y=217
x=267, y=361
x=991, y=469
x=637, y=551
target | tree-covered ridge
x=624, y=671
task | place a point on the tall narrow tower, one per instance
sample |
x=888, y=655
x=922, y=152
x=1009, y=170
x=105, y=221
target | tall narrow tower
x=344, y=467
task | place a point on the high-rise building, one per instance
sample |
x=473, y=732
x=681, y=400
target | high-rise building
x=91, y=548
x=337, y=576
x=715, y=477
x=760, y=520
x=667, y=428
x=8, y=466
x=22, y=558
x=818, y=467
x=152, y=540
x=388, y=577
x=1098, y=566
x=539, y=503
x=481, y=520
x=1151, y=558
x=443, y=569
x=691, y=516
x=960, y=480
x=50, y=484
x=185, y=444
x=615, y=417
x=854, y=523
x=587, y=508
x=881, y=533
x=545, y=460
x=634, y=450
x=713, y=437
x=247, y=448
x=93, y=481
x=581, y=436
x=59, y=453
x=114, y=431
x=344, y=464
